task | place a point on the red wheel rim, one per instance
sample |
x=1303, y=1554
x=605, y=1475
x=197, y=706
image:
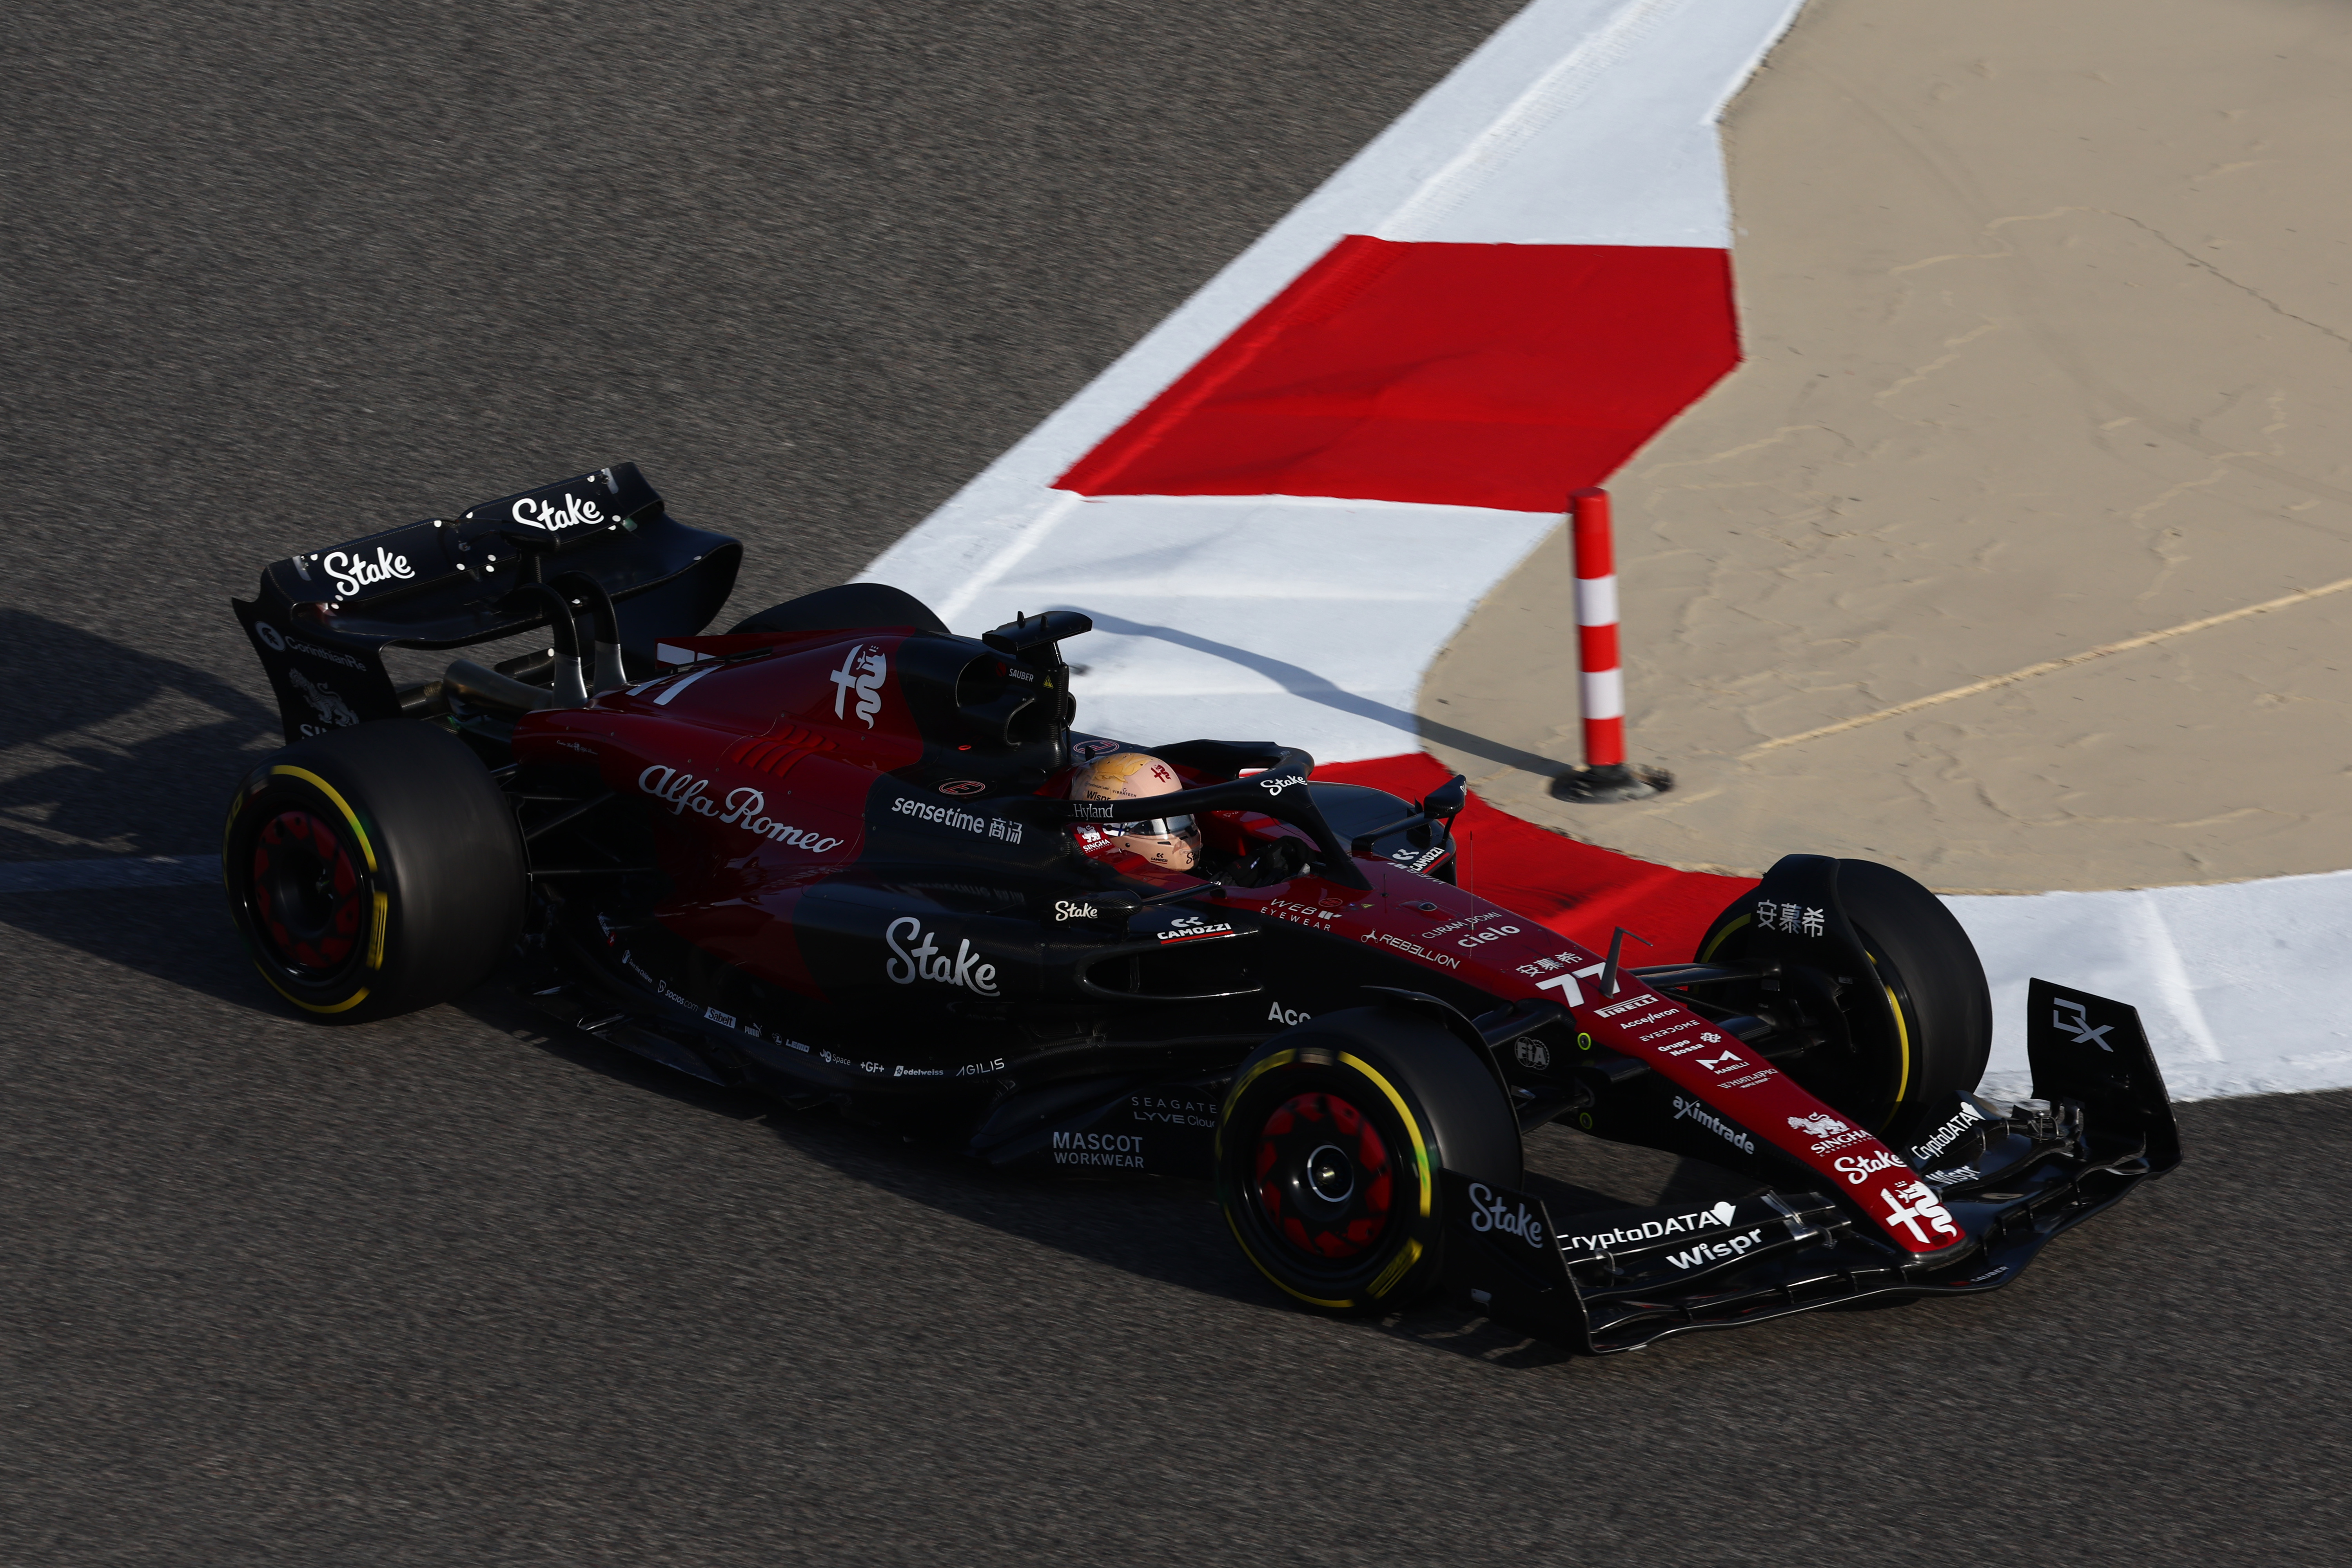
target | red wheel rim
x=1324, y=1176
x=309, y=907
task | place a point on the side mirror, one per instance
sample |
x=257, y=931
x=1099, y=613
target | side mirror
x=1446, y=801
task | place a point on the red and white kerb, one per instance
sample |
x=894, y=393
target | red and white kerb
x=1601, y=680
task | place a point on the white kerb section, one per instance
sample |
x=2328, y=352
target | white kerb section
x=1312, y=621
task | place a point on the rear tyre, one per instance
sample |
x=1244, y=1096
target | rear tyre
x=1329, y=1148
x=373, y=870
x=1898, y=1077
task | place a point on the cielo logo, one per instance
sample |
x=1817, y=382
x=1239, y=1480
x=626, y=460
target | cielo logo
x=926, y=962
x=353, y=573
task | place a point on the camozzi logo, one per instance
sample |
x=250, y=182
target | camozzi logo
x=924, y=960
x=353, y=573
x=567, y=511
x=863, y=672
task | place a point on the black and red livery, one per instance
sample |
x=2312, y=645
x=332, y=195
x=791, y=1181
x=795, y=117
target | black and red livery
x=831, y=855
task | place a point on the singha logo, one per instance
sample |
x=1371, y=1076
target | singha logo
x=1817, y=1124
x=331, y=709
x=864, y=671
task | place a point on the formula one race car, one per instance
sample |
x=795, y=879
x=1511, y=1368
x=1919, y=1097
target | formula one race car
x=832, y=855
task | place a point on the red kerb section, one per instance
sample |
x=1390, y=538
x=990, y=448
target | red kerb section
x=1492, y=375
x=1580, y=890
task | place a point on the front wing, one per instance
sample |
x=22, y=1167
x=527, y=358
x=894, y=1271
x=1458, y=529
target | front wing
x=2098, y=1123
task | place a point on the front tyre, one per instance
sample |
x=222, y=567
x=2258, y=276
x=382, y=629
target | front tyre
x=373, y=870
x=1906, y=1059
x=1329, y=1148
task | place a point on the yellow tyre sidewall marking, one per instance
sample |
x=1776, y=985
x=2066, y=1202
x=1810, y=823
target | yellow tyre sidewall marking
x=1405, y=1261
x=1723, y=936
x=383, y=913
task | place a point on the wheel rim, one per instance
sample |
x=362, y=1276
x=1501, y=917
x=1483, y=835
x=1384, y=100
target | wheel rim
x=1324, y=1177
x=309, y=899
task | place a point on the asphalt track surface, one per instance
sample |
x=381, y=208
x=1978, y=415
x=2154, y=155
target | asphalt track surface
x=449, y=1290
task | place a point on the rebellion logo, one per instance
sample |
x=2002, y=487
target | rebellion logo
x=863, y=672
x=353, y=573
x=926, y=962
x=555, y=516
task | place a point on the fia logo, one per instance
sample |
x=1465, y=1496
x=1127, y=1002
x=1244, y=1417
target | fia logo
x=864, y=671
x=2079, y=1025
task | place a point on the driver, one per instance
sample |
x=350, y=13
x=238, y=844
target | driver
x=1170, y=843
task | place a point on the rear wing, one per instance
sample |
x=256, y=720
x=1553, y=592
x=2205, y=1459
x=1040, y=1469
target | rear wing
x=323, y=618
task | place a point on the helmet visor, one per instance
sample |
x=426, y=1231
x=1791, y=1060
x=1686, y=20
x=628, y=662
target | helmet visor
x=1151, y=827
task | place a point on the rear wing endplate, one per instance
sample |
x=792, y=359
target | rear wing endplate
x=323, y=618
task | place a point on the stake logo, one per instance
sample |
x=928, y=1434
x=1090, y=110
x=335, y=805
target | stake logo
x=554, y=516
x=1858, y=1167
x=1275, y=783
x=353, y=573
x=926, y=962
x=1488, y=1213
x=864, y=671
x=2079, y=1025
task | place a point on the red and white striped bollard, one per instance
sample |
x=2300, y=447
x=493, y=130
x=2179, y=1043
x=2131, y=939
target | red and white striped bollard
x=1601, y=678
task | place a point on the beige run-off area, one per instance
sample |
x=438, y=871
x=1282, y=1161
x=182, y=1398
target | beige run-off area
x=2049, y=340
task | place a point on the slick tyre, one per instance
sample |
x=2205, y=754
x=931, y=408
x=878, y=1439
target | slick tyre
x=1328, y=1149
x=373, y=870
x=1907, y=1059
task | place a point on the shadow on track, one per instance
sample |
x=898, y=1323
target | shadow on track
x=106, y=751
x=1160, y=1228
x=111, y=751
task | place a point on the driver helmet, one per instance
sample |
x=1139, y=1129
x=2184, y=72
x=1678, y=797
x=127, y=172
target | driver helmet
x=1171, y=843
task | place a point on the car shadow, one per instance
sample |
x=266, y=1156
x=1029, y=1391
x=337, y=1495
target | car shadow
x=1308, y=686
x=1163, y=1229
x=107, y=751
x=112, y=751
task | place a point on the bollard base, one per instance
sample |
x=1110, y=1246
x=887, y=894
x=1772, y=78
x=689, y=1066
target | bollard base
x=1615, y=781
